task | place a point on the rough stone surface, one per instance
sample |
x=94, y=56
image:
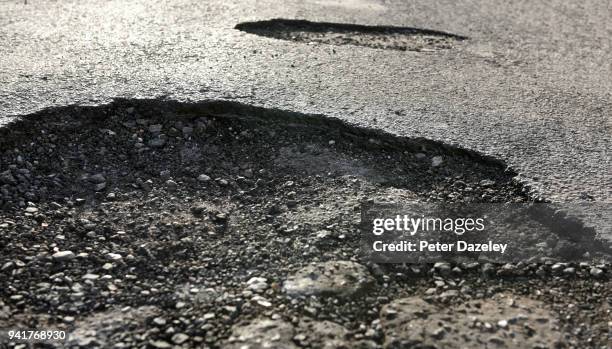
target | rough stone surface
x=262, y=334
x=329, y=335
x=504, y=321
x=334, y=278
x=266, y=333
x=96, y=329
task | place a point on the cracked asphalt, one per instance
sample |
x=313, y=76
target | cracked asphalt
x=532, y=84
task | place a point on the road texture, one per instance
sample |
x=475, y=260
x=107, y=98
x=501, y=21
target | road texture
x=531, y=85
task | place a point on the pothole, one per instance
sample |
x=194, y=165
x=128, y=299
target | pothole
x=87, y=156
x=204, y=210
x=380, y=37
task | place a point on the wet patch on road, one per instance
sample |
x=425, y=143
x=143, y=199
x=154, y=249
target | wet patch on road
x=380, y=37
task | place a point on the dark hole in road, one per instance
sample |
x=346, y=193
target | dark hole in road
x=185, y=202
x=53, y=154
x=382, y=37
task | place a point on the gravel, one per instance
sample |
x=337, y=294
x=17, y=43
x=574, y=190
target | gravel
x=245, y=231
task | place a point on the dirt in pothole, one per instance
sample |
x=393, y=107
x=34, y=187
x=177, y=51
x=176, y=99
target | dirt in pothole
x=170, y=209
x=381, y=37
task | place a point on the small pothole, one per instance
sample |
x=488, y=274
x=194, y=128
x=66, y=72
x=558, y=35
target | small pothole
x=380, y=37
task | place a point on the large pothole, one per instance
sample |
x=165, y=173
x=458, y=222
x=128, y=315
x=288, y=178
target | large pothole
x=381, y=37
x=204, y=210
x=88, y=156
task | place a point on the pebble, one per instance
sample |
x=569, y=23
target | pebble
x=160, y=344
x=596, y=272
x=180, y=338
x=159, y=321
x=436, y=161
x=171, y=185
x=449, y=294
x=262, y=302
x=114, y=256
x=323, y=236
x=63, y=255
x=107, y=266
x=91, y=277
x=7, y=266
x=203, y=178
x=443, y=268
x=257, y=284
x=569, y=271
